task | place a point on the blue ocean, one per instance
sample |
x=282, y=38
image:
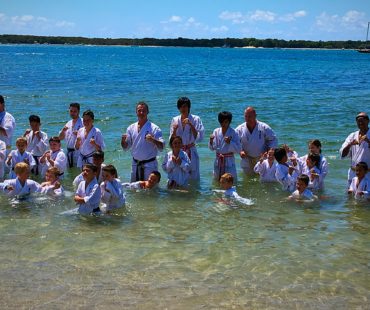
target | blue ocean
x=188, y=250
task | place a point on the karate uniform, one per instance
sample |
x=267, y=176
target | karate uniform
x=78, y=179
x=3, y=152
x=322, y=170
x=254, y=143
x=225, y=160
x=86, y=148
x=306, y=195
x=177, y=173
x=112, y=195
x=132, y=185
x=317, y=183
x=37, y=147
x=60, y=162
x=267, y=173
x=28, y=188
x=363, y=186
x=357, y=153
x=72, y=153
x=231, y=193
x=7, y=122
x=50, y=190
x=144, y=153
x=91, y=195
x=285, y=179
x=189, y=141
x=17, y=157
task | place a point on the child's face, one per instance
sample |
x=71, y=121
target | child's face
x=301, y=186
x=310, y=163
x=35, y=126
x=284, y=159
x=88, y=174
x=270, y=155
x=97, y=161
x=54, y=146
x=314, y=149
x=50, y=177
x=87, y=121
x=184, y=109
x=225, y=185
x=106, y=176
x=21, y=146
x=360, y=172
x=23, y=176
x=152, y=180
x=225, y=124
x=176, y=145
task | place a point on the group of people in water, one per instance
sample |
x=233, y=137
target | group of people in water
x=98, y=188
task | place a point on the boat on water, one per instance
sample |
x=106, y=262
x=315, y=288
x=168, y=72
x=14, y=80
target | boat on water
x=365, y=50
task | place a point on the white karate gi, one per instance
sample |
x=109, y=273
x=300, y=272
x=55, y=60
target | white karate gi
x=86, y=148
x=3, y=152
x=357, y=153
x=306, y=195
x=7, y=122
x=37, y=147
x=231, y=193
x=17, y=157
x=79, y=178
x=363, y=186
x=322, y=170
x=70, y=138
x=132, y=185
x=28, y=188
x=317, y=183
x=267, y=173
x=50, y=190
x=112, y=196
x=143, y=150
x=189, y=141
x=91, y=195
x=177, y=173
x=285, y=179
x=60, y=162
x=255, y=143
x=225, y=160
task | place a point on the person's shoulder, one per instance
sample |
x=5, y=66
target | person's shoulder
x=240, y=126
x=263, y=125
x=8, y=115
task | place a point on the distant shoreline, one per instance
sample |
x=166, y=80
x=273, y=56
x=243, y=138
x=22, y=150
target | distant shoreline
x=245, y=43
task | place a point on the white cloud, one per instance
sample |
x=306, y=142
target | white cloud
x=235, y=17
x=259, y=15
x=221, y=29
x=64, y=24
x=351, y=20
x=293, y=16
x=175, y=19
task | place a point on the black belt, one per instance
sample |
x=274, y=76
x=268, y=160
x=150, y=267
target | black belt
x=70, y=154
x=140, y=167
x=86, y=157
x=35, y=170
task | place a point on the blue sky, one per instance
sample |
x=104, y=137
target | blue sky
x=285, y=19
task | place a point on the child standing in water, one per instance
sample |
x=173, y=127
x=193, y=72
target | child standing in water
x=229, y=191
x=360, y=184
x=286, y=175
x=177, y=164
x=226, y=142
x=266, y=167
x=302, y=193
x=52, y=185
x=112, y=196
x=19, y=155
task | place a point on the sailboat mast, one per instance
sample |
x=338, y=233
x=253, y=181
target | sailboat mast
x=367, y=34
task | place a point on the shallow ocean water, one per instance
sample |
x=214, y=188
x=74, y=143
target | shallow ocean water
x=188, y=250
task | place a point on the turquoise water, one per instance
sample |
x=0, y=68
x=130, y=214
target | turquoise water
x=187, y=250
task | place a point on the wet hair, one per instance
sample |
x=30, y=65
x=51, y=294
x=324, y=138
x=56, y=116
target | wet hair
x=21, y=168
x=279, y=154
x=92, y=167
x=183, y=101
x=55, y=171
x=157, y=174
x=34, y=118
x=21, y=140
x=362, y=165
x=144, y=104
x=224, y=115
x=75, y=105
x=98, y=155
x=315, y=158
x=173, y=138
x=2, y=99
x=111, y=170
x=316, y=143
x=54, y=139
x=304, y=178
x=228, y=177
x=88, y=113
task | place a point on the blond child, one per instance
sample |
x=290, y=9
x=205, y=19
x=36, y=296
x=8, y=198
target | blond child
x=52, y=185
x=19, y=155
x=229, y=191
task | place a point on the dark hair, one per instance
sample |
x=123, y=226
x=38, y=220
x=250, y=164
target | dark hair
x=111, y=170
x=156, y=173
x=89, y=113
x=54, y=139
x=279, y=154
x=183, y=101
x=144, y=104
x=75, y=105
x=2, y=99
x=93, y=167
x=315, y=158
x=304, y=178
x=34, y=118
x=98, y=154
x=173, y=138
x=362, y=165
x=316, y=143
x=224, y=115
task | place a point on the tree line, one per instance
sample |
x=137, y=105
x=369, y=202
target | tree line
x=182, y=42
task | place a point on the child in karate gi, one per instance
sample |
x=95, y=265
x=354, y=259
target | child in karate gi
x=19, y=155
x=98, y=161
x=177, y=164
x=229, y=191
x=266, y=167
x=360, y=184
x=21, y=186
x=302, y=193
x=52, y=185
x=311, y=168
x=152, y=181
x=112, y=196
x=226, y=142
x=286, y=175
x=54, y=157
